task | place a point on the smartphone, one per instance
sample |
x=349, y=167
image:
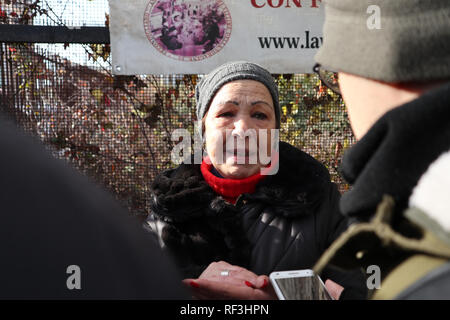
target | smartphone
x=299, y=285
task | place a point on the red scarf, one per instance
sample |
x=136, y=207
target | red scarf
x=230, y=189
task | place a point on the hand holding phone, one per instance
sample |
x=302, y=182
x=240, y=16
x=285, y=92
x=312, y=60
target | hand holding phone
x=299, y=285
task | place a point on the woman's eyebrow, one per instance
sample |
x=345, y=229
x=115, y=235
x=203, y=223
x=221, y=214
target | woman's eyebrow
x=222, y=103
x=261, y=102
x=228, y=102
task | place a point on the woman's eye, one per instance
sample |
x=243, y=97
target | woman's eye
x=226, y=114
x=260, y=116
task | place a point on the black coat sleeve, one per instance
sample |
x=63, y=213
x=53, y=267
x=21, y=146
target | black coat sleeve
x=330, y=224
x=179, y=247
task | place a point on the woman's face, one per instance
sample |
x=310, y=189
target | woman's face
x=237, y=107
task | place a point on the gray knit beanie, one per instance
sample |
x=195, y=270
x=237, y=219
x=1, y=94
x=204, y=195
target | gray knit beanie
x=412, y=43
x=232, y=71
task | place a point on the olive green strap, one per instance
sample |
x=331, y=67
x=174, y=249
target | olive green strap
x=380, y=226
x=407, y=273
x=419, y=217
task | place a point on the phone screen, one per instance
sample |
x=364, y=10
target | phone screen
x=303, y=288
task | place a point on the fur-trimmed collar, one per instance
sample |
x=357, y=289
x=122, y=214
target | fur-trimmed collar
x=181, y=194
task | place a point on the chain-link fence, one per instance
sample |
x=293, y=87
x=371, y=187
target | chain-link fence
x=118, y=130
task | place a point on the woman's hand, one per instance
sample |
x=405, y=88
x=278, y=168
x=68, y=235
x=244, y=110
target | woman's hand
x=221, y=280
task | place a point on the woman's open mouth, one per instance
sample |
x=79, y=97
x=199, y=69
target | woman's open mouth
x=242, y=156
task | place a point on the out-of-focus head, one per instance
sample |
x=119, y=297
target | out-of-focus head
x=238, y=106
x=386, y=53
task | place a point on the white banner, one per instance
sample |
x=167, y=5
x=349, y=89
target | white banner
x=195, y=36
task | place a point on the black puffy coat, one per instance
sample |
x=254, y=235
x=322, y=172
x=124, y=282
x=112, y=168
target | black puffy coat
x=286, y=224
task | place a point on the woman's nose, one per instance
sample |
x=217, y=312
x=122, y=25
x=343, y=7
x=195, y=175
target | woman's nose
x=240, y=127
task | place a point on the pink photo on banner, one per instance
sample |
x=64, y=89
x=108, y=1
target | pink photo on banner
x=187, y=30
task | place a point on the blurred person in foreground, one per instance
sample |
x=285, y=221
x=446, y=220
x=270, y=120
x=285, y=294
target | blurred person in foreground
x=61, y=237
x=227, y=218
x=394, y=75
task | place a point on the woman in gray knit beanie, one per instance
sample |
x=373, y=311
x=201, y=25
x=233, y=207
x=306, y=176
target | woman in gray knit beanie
x=235, y=102
x=236, y=213
x=232, y=71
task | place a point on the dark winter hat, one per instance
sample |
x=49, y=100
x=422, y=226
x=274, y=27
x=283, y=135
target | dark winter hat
x=232, y=71
x=410, y=43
